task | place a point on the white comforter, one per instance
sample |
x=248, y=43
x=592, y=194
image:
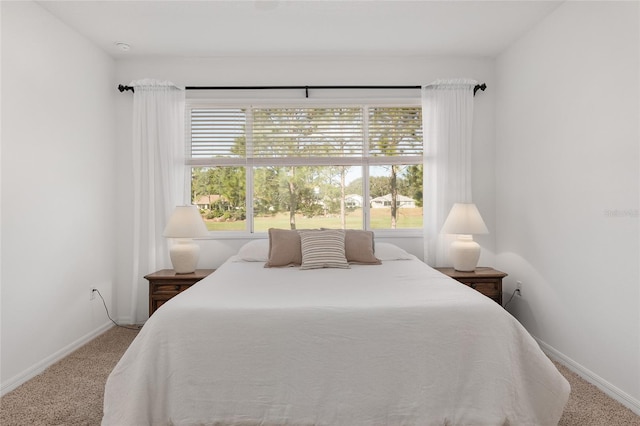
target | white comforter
x=392, y=344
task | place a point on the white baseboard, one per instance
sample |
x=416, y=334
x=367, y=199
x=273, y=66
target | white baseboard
x=38, y=368
x=619, y=395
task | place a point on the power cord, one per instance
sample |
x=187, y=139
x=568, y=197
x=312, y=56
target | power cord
x=136, y=328
x=517, y=290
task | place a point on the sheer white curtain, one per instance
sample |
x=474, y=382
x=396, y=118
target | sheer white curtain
x=447, y=111
x=158, y=174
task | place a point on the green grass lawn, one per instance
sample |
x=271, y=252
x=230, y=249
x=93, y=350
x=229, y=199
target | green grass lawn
x=380, y=219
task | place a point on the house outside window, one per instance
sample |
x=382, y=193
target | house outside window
x=255, y=167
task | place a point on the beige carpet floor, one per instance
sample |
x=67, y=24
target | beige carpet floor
x=71, y=391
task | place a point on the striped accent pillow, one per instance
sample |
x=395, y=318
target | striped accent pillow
x=323, y=249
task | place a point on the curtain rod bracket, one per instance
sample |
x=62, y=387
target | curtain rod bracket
x=306, y=92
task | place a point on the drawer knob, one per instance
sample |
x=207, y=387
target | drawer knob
x=177, y=287
x=473, y=286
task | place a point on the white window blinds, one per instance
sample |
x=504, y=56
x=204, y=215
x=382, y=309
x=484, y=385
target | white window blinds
x=305, y=135
x=395, y=131
x=307, y=132
x=218, y=133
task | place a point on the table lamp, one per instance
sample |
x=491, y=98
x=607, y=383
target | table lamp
x=464, y=220
x=184, y=224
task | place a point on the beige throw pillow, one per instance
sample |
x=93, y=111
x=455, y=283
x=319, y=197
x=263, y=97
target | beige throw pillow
x=359, y=247
x=284, y=248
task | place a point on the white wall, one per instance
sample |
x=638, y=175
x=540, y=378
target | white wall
x=338, y=70
x=58, y=189
x=567, y=179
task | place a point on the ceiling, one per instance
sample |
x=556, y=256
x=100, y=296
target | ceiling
x=296, y=27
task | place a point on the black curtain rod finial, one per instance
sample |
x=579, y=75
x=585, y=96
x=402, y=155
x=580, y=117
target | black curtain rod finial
x=123, y=88
x=482, y=87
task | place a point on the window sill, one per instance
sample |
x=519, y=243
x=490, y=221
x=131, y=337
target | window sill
x=379, y=233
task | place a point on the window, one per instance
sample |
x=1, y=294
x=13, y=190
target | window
x=256, y=167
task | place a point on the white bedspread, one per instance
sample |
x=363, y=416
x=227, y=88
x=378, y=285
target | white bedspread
x=392, y=344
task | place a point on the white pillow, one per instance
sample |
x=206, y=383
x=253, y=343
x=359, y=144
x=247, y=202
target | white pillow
x=388, y=251
x=255, y=251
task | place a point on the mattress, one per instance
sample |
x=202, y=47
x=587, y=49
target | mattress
x=391, y=344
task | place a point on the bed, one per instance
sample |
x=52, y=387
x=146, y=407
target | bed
x=394, y=343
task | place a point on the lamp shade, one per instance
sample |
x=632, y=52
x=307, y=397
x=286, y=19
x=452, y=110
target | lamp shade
x=185, y=222
x=464, y=218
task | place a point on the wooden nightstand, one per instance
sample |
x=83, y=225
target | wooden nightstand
x=165, y=284
x=487, y=281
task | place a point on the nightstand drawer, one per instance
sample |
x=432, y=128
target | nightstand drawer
x=165, y=284
x=487, y=281
x=487, y=288
x=172, y=288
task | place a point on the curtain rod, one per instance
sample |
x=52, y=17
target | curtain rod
x=123, y=88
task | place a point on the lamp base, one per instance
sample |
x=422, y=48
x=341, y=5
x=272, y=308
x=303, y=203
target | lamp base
x=184, y=256
x=465, y=253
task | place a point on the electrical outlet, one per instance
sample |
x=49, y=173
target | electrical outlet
x=519, y=288
x=92, y=294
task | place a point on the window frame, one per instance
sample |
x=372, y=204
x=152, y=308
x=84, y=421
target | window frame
x=249, y=163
